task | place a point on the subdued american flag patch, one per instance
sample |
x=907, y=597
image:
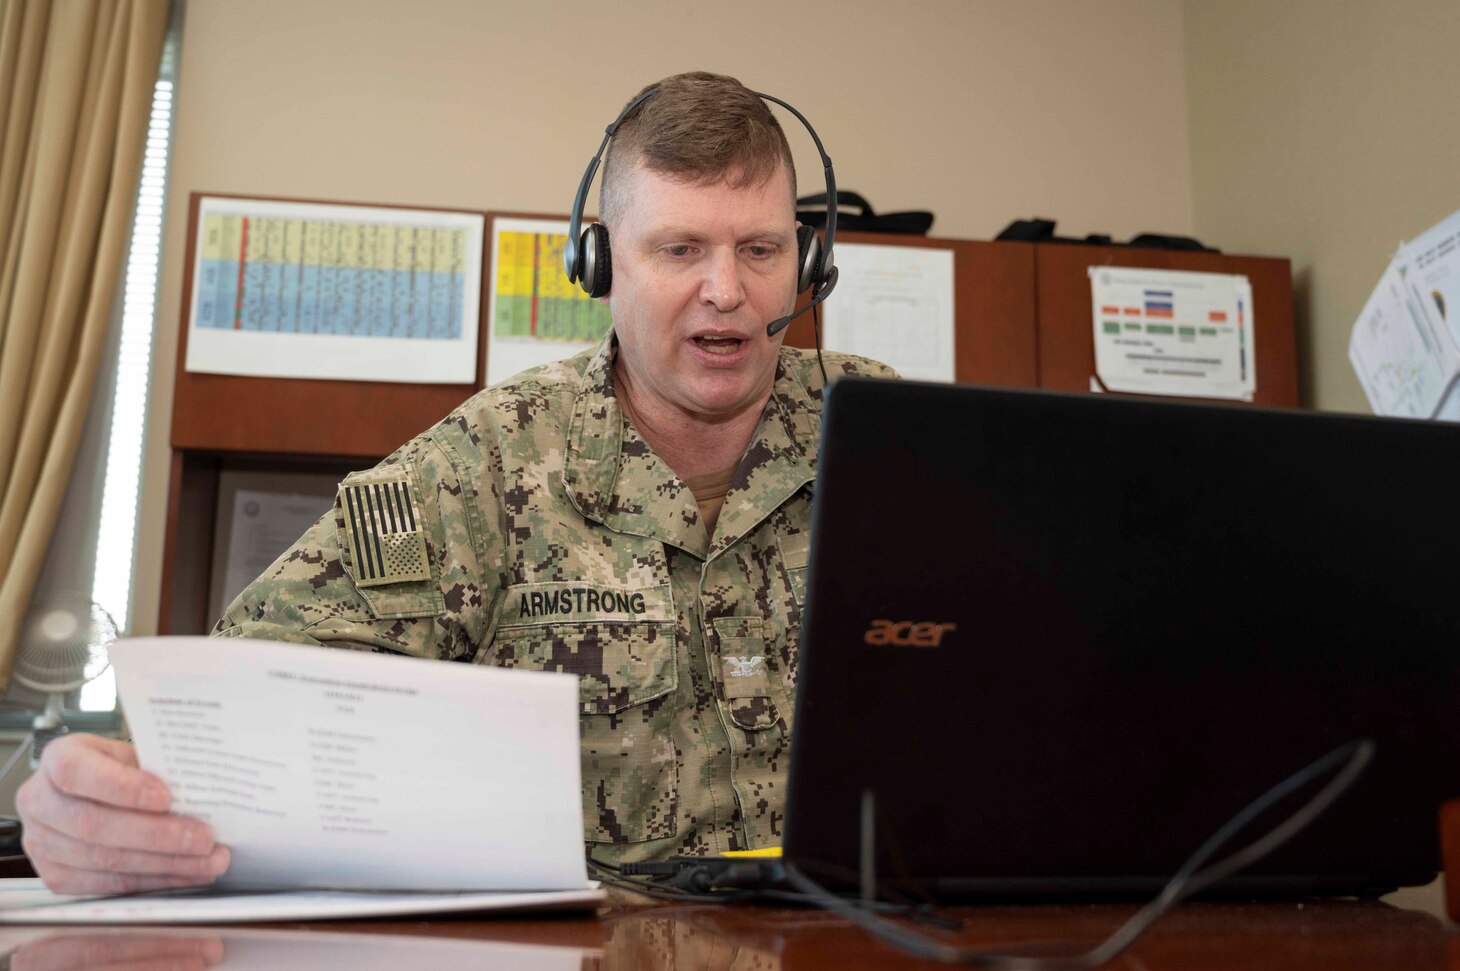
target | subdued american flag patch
x=387, y=541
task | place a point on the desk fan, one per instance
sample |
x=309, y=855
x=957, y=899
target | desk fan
x=63, y=645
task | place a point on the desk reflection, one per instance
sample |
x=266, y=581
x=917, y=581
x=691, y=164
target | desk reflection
x=1208, y=936
x=68, y=949
x=155, y=949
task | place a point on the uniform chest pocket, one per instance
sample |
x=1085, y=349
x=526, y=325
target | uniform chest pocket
x=627, y=678
x=755, y=695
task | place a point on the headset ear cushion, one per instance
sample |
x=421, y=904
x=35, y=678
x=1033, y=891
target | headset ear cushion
x=808, y=258
x=597, y=261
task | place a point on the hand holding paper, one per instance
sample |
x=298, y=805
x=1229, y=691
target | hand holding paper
x=96, y=823
x=345, y=770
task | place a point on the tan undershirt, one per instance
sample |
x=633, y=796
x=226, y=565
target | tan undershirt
x=708, y=490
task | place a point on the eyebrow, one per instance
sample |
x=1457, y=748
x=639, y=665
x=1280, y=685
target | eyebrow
x=685, y=232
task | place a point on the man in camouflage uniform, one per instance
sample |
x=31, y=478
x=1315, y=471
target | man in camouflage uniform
x=638, y=515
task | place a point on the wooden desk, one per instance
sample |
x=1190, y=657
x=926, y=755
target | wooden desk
x=1289, y=936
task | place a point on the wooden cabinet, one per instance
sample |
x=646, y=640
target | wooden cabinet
x=1023, y=319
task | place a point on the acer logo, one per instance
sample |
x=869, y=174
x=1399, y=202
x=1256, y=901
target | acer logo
x=907, y=633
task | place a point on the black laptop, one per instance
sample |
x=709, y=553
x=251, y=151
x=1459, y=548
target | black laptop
x=1061, y=639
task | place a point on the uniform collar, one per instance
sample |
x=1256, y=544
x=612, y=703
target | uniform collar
x=614, y=477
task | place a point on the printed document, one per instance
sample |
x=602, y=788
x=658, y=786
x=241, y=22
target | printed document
x=1405, y=346
x=537, y=315
x=345, y=770
x=1173, y=332
x=894, y=304
x=1403, y=360
x=355, y=293
x=27, y=901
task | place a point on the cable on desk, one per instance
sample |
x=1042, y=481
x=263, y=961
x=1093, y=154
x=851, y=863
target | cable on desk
x=1349, y=760
x=609, y=874
x=682, y=872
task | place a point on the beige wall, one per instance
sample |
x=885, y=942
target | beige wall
x=1326, y=131
x=981, y=111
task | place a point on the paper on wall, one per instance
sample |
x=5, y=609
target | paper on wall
x=894, y=304
x=361, y=293
x=535, y=314
x=1172, y=332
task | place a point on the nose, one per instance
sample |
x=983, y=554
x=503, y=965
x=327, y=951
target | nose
x=721, y=286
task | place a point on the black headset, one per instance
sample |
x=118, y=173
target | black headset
x=588, y=259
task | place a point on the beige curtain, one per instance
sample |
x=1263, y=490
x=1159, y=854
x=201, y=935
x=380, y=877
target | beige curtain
x=76, y=85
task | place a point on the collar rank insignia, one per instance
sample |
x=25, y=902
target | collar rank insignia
x=387, y=541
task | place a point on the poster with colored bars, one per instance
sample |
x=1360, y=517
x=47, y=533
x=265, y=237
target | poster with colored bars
x=1171, y=332
x=536, y=314
x=344, y=292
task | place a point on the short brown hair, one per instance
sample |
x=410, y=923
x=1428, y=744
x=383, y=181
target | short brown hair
x=700, y=127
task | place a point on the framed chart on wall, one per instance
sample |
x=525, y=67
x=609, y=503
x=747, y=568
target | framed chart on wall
x=289, y=289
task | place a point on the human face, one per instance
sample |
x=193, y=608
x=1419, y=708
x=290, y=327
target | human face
x=698, y=272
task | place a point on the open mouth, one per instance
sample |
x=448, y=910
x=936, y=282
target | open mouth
x=719, y=345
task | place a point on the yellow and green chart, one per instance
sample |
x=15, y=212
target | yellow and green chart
x=534, y=297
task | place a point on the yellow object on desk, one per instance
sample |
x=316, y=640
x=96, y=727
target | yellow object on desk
x=767, y=853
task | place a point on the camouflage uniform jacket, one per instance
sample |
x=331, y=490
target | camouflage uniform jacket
x=556, y=539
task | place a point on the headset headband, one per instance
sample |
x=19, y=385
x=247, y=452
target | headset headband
x=575, y=221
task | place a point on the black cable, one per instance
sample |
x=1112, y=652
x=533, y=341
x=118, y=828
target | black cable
x=1350, y=760
x=615, y=877
x=609, y=874
x=816, y=331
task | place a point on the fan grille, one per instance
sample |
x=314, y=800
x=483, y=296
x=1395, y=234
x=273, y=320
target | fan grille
x=64, y=646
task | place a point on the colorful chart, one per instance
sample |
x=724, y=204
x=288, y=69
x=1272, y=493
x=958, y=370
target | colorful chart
x=309, y=276
x=1173, y=332
x=536, y=315
x=335, y=291
x=535, y=298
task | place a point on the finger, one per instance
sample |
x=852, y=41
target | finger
x=124, y=752
x=104, y=770
x=45, y=843
x=73, y=881
x=93, y=822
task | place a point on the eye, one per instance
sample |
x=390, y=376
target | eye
x=760, y=251
x=678, y=250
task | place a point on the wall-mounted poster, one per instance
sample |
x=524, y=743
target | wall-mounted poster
x=536, y=315
x=309, y=290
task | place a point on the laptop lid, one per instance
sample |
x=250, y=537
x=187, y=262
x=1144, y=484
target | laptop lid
x=1062, y=638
